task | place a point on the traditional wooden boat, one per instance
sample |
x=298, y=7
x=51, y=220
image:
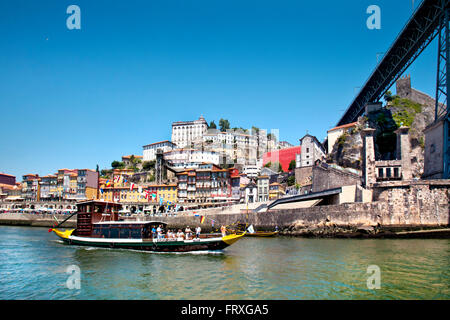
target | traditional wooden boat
x=98, y=225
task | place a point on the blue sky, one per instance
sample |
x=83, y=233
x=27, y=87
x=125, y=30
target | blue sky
x=77, y=98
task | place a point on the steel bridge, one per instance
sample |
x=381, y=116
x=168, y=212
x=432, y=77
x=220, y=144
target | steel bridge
x=430, y=20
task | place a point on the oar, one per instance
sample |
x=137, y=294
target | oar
x=70, y=216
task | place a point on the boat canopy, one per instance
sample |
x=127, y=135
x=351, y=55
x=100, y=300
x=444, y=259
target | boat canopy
x=131, y=222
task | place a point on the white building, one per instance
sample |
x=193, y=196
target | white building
x=189, y=156
x=185, y=132
x=335, y=133
x=251, y=192
x=252, y=171
x=312, y=150
x=149, y=152
x=237, y=146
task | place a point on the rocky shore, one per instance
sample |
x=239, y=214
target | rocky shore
x=367, y=232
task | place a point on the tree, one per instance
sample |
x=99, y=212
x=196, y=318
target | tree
x=117, y=164
x=212, y=125
x=105, y=173
x=280, y=168
x=97, y=168
x=292, y=165
x=271, y=136
x=291, y=181
x=224, y=125
x=388, y=96
x=148, y=165
x=268, y=164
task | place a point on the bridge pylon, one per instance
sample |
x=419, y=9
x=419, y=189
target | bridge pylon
x=443, y=87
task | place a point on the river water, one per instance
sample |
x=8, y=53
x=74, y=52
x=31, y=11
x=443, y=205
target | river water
x=34, y=265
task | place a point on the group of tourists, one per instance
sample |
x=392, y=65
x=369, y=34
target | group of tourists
x=188, y=234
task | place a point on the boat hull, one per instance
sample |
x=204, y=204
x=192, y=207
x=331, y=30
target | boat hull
x=161, y=245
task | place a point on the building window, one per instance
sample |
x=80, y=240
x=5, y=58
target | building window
x=396, y=173
x=380, y=172
x=388, y=172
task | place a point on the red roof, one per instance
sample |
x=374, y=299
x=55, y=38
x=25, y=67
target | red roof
x=349, y=125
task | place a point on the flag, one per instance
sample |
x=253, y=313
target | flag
x=101, y=190
x=202, y=219
x=140, y=189
x=161, y=201
x=131, y=187
x=250, y=229
x=108, y=183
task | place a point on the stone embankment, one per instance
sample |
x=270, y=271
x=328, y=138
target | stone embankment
x=400, y=209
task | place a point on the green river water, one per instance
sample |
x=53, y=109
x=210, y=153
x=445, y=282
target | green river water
x=34, y=265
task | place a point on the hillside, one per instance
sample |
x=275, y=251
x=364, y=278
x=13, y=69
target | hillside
x=347, y=152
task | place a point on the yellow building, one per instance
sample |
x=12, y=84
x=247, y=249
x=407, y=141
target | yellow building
x=276, y=190
x=73, y=183
x=91, y=193
x=123, y=195
x=166, y=192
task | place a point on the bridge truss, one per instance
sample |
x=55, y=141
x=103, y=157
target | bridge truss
x=430, y=20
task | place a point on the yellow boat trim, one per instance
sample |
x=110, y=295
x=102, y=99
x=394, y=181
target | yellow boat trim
x=63, y=234
x=232, y=238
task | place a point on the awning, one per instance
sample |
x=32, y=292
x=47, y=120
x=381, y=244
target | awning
x=12, y=198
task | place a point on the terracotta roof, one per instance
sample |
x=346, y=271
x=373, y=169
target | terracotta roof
x=5, y=174
x=349, y=125
x=8, y=186
x=127, y=157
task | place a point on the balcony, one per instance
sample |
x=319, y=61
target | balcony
x=388, y=170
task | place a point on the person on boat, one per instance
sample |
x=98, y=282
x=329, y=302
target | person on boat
x=153, y=232
x=223, y=229
x=188, y=233
x=159, y=231
x=197, y=232
x=180, y=234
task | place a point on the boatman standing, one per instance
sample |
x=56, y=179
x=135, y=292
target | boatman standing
x=223, y=229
